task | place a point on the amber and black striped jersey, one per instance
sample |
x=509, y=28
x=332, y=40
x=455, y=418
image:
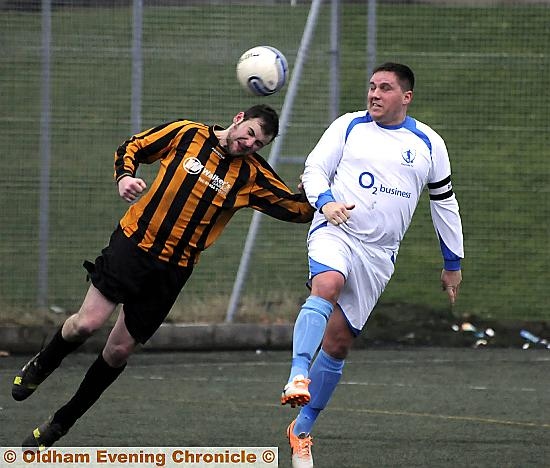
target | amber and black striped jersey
x=197, y=190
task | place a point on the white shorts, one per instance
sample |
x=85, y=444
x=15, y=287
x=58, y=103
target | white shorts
x=367, y=269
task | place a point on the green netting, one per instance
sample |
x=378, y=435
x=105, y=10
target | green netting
x=483, y=74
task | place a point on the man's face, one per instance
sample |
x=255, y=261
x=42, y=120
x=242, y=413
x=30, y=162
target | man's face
x=246, y=136
x=387, y=102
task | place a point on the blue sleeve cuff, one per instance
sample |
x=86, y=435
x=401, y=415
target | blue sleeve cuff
x=323, y=199
x=452, y=265
x=451, y=261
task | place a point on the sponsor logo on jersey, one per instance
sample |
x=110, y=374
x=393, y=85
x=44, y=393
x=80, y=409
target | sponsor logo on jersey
x=368, y=181
x=394, y=191
x=194, y=166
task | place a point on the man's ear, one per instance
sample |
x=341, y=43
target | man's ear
x=238, y=118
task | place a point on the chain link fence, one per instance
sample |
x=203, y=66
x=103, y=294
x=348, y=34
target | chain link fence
x=483, y=74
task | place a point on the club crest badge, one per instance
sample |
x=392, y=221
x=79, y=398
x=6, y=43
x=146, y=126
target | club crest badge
x=408, y=156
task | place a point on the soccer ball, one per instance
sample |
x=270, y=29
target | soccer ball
x=262, y=70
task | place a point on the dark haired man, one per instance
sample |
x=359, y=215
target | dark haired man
x=364, y=177
x=206, y=174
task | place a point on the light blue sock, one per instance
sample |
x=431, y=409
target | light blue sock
x=325, y=374
x=308, y=333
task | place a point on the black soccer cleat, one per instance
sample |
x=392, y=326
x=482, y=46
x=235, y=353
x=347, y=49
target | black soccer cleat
x=28, y=379
x=44, y=436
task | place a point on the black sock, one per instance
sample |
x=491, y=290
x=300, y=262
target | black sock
x=99, y=376
x=56, y=350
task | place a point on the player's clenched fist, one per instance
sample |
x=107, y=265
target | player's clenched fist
x=337, y=212
x=129, y=188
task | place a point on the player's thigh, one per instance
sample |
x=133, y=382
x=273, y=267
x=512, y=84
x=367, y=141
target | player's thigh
x=145, y=312
x=332, y=247
x=371, y=272
x=93, y=313
x=120, y=344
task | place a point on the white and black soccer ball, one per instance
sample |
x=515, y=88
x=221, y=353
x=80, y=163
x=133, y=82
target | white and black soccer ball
x=262, y=70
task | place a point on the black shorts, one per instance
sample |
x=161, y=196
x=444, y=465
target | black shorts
x=147, y=286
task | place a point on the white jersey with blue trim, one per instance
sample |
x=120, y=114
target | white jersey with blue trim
x=383, y=171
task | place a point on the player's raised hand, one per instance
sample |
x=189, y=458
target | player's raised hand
x=129, y=188
x=337, y=212
x=450, y=283
x=301, y=184
x=301, y=189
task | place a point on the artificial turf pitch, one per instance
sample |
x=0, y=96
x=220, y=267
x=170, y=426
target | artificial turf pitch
x=408, y=407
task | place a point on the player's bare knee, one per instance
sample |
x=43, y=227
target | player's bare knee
x=337, y=345
x=79, y=328
x=337, y=350
x=328, y=290
x=117, y=354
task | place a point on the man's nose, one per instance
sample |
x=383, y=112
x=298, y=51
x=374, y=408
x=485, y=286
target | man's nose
x=249, y=142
